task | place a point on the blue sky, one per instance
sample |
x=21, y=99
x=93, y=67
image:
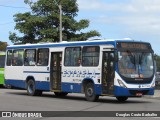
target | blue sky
x=136, y=19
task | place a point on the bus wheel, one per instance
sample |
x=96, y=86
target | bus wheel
x=60, y=94
x=122, y=98
x=31, y=89
x=89, y=92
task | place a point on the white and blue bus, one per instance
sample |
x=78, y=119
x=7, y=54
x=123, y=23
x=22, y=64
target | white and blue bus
x=119, y=68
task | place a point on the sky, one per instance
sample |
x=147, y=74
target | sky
x=114, y=19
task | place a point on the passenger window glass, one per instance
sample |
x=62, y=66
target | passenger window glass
x=30, y=57
x=90, y=56
x=17, y=59
x=72, y=56
x=43, y=55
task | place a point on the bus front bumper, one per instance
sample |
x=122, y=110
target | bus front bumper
x=132, y=92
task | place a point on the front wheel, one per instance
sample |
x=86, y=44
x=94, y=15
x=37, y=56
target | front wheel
x=31, y=89
x=90, y=93
x=122, y=98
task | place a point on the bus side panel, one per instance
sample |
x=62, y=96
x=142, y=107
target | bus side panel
x=14, y=75
x=16, y=83
x=40, y=85
x=77, y=88
x=98, y=89
x=40, y=74
x=73, y=78
x=43, y=85
x=71, y=87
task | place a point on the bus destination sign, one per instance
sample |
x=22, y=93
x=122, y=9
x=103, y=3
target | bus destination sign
x=133, y=45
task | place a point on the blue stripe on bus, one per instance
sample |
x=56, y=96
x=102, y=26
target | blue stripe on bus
x=35, y=72
x=40, y=85
x=77, y=88
x=45, y=86
x=62, y=44
x=16, y=83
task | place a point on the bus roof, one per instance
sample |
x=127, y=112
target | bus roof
x=72, y=43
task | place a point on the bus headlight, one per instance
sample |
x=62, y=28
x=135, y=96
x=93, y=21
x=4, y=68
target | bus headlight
x=153, y=85
x=121, y=83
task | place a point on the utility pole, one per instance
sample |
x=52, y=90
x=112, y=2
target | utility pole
x=60, y=19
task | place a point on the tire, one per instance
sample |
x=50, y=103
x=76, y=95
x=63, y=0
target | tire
x=90, y=93
x=60, y=94
x=31, y=89
x=1, y=86
x=122, y=98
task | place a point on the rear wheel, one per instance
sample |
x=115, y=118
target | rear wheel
x=60, y=94
x=90, y=93
x=1, y=86
x=31, y=89
x=122, y=98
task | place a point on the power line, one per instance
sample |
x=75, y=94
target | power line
x=14, y=7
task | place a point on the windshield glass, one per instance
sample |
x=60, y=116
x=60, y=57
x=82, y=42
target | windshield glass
x=135, y=64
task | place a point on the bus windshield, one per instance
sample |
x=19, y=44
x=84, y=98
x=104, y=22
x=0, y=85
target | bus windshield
x=132, y=64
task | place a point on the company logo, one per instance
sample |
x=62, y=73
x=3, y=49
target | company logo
x=21, y=114
x=6, y=114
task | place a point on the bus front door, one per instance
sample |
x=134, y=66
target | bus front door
x=55, y=71
x=108, y=73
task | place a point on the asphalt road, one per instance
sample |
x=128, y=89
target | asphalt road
x=18, y=100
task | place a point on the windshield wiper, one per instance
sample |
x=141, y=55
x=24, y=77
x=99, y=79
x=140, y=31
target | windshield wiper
x=131, y=56
x=140, y=59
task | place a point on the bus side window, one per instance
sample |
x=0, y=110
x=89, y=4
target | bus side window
x=30, y=57
x=42, y=58
x=17, y=59
x=9, y=58
x=90, y=56
x=72, y=56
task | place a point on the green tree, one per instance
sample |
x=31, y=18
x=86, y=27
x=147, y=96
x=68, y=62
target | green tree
x=3, y=46
x=42, y=23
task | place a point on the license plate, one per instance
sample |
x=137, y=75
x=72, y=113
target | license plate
x=139, y=94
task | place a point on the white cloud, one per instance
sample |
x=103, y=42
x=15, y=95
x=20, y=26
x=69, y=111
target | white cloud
x=136, y=15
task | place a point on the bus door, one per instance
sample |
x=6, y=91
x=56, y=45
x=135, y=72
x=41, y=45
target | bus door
x=55, y=71
x=108, y=72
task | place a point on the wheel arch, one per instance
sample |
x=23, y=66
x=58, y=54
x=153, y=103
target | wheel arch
x=29, y=78
x=85, y=82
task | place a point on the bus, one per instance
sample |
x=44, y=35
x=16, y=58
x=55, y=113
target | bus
x=119, y=68
x=2, y=62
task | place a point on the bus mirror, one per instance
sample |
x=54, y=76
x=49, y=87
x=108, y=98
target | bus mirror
x=155, y=57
